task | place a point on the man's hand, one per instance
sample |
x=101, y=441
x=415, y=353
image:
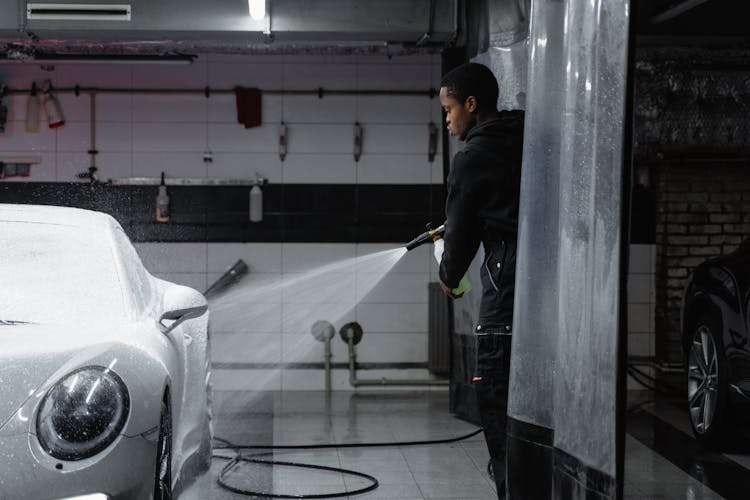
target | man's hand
x=449, y=292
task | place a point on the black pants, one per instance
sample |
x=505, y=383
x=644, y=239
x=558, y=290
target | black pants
x=493, y=331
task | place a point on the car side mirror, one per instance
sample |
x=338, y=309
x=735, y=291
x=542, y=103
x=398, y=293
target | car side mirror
x=179, y=304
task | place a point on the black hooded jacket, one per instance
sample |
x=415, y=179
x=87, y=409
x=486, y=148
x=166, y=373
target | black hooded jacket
x=483, y=189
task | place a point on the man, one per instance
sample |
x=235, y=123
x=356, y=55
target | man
x=482, y=206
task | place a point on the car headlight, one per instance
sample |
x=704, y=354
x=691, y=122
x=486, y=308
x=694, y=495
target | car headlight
x=82, y=414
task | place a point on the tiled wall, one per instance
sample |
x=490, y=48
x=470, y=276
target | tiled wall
x=641, y=300
x=142, y=135
x=263, y=322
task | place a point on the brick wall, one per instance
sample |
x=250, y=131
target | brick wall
x=703, y=210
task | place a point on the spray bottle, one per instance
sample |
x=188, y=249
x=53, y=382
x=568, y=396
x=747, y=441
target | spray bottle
x=55, y=117
x=436, y=236
x=256, y=200
x=162, y=202
x=32, y=110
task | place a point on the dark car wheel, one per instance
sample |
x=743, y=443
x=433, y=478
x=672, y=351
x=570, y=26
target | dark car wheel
x=163, y=474
x=707, y=389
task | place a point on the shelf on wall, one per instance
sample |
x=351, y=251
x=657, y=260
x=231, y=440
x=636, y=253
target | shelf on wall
x=183, y=181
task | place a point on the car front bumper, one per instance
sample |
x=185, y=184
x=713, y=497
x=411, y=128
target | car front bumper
x=124, y=471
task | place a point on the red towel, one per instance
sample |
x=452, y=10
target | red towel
x=248, y=106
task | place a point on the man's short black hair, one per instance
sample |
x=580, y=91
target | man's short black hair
x=472, y=79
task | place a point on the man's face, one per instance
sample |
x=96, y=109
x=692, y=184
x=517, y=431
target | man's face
x=458, y=115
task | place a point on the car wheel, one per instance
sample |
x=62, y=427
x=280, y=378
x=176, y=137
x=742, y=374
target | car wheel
x=707, y=384
x=163, y=474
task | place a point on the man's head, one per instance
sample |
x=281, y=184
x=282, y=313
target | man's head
x=468, y=94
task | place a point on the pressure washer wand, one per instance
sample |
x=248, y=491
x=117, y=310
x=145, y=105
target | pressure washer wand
x=429, y=236
x=436, y=236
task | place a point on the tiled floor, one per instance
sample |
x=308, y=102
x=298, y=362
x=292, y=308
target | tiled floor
x=443, y=471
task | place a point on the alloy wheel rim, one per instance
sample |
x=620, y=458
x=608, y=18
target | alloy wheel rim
x=703, y=379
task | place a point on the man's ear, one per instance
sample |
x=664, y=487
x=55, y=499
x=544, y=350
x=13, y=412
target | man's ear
x=471, y=104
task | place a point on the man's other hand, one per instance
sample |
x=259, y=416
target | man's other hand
x=449, y=292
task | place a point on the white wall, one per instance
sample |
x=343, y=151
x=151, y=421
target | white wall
x=142, y=135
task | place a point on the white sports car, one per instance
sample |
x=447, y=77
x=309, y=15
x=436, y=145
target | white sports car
x=103, y=367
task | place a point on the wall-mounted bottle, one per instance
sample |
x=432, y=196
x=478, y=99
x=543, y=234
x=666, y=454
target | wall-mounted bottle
x=256, y=201
x=32, y=110
x=162, y=202
x=55, y=117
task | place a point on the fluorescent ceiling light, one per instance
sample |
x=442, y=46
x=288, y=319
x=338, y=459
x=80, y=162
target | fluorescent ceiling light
x=257, y=9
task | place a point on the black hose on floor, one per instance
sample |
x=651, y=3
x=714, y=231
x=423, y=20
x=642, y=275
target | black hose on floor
x=239, y=458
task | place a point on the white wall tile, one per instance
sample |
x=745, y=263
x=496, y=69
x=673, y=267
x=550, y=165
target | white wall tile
x=173, y=137
x=311, y=109
x=394, y=169
x=245, y=347
x=392, y=348
x=301, y=348
x=386, y=110
x=94, y=75
x=222, y=108
x=640, y=259
x=394, y=77
x=393, y=287
x=114, y=107
x=170, y=108
x=173, y=164
x=320, y=169
x=235, y=138
x=173, y=257
x=640, y=288
x=392, y=317
x=639, y=318
x=436, y=167
x=16, y=139
x=245, y=166
x=307, y=257
x=320, y=138
x=394, y=139
x=238, y=316
x=298, y=319
x=260, y=257
x=640, y=344
x=246, y=380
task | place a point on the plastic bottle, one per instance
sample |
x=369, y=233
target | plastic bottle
x=52, y=107
x=162, y=202
x=256, y=204
x=464, y=285
x=32, y=111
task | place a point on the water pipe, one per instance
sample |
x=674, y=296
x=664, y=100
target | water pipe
x=352, y=333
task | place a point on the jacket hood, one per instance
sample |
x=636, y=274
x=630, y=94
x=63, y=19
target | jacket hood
x=506, y=122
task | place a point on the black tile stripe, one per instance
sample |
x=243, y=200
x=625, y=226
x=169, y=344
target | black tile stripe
x=293, y=213
x=724, y=476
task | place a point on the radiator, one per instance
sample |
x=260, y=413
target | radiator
x=439, y=328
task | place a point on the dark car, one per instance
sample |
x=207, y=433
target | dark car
x=716, y=342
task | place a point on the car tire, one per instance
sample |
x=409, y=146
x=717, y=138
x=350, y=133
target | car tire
x=707, y=387
x=163, y=472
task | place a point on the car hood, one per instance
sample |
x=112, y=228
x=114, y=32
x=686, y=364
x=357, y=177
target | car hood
x=33, y=355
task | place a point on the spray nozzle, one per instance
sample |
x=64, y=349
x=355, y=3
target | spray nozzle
x=428, y=236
